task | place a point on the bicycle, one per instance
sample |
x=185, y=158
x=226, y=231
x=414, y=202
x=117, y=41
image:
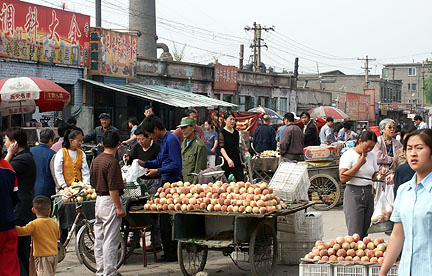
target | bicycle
x=85, y=238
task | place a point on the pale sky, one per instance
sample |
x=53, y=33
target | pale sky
x=332, y=33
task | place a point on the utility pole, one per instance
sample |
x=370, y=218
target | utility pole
x=241, y=57
x=319, y=77
x=423, y=84
x=98, y=13
x=367, y=59
x=256, y=45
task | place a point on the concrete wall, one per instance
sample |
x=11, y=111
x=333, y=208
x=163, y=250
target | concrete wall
x=309, y=98
x=198, y=78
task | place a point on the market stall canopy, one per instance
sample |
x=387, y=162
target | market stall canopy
x=20, y=95
x=328, y=111
x=274, y=116
x=162, y=94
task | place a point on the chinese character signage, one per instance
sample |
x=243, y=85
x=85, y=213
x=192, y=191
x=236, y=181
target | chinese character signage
x=225, y=77
x=44, y=34
x=356, y=106
x=113, y=53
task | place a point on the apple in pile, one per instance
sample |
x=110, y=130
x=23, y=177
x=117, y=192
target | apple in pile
x=87, y=192
x=237, y=197
x=349, y=248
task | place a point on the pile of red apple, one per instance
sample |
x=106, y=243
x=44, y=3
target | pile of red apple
x=235, y=197
x=350, y=249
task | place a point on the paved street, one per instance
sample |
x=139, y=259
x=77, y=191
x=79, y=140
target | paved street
x=217, y=264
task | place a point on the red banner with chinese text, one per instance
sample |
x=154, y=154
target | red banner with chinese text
x=44, y=34
x=225, y=77
x=247, y=121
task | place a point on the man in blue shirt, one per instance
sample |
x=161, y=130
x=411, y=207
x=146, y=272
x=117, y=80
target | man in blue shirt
x=168, y=164
x=42, y=155
x=264, y=136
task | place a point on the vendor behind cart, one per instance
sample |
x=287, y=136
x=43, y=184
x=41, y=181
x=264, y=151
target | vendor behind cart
x=168, y=164
x=145, y=150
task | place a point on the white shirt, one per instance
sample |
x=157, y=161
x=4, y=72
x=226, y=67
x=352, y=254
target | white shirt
x=422, y=125
x=58, y=167
x=348, y=161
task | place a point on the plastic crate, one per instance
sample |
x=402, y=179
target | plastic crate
x=291, y=181
x=290, y=253
x=375, y=269
x=134, y=190
x=350, y=270
x=315, y=270
x=291, y=223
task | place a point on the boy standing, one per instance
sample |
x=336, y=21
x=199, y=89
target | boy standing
x=106, y=178
x=45, y=234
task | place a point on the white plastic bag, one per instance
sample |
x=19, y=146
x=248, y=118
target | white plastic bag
x=134, y=172
x=384, y=205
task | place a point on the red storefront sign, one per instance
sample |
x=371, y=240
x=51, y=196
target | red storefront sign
x=113, y=53
x=225, y=77
x=44, y=34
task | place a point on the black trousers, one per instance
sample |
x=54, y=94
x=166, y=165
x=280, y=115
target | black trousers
x=237, y=171
x=23, y=252
x=169, y=245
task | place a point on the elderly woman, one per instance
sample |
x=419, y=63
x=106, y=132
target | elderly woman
x=385, y=151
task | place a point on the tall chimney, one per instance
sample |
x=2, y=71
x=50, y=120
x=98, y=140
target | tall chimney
x=142, y=18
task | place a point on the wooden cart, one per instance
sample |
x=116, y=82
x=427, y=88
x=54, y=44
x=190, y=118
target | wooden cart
x=234, y=234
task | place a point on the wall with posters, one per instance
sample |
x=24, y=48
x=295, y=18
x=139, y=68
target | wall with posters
x=356, y=106
x=43, y=34
x=113, y=53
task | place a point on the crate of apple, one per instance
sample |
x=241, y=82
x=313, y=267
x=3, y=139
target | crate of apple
x=87, y=192
x=235, y=197
x=349, y=249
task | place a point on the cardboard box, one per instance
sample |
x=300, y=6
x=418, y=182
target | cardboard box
x=318, y=153
x=318, y=164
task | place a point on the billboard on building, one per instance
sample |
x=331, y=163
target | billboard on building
x=113, y=53
x=225, y=77
x=356, y=106
x=43, y=34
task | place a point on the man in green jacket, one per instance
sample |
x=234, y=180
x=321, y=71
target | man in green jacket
x=194, y=151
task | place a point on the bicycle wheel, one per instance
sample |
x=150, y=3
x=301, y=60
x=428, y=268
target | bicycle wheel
x=191, y=257
x=263, y=249
x=325, y=190
x=84, y=247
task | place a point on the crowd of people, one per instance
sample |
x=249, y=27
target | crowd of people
x=30, y=176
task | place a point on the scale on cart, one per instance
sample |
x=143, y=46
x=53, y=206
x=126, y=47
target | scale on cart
x=214, y=175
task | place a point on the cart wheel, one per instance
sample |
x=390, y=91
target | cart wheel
x=325, y=191
x=263, y=249
x=191, y=257
x=61, y=252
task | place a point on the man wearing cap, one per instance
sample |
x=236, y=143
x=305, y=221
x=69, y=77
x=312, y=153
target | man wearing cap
x=96, y=134
x=198, y=129
x=194, y=151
